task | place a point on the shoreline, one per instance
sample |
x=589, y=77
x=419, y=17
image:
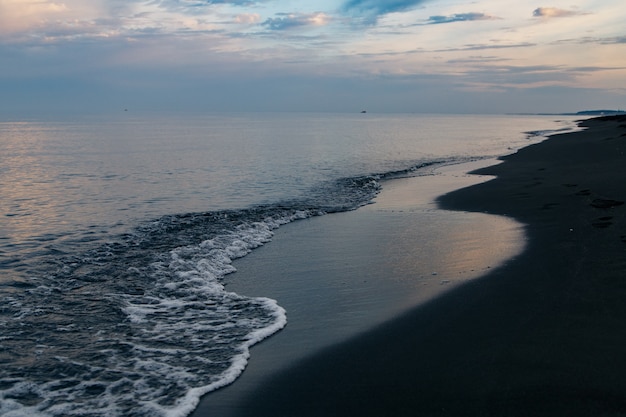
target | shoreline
x=342, y=274
x=541, y=335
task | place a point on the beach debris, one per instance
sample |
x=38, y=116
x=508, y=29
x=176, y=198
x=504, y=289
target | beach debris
x=605, y=203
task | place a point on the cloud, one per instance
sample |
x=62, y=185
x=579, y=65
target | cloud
x=201, y=3
x=233, y=2
x=248, y=18
x=481, y=47
x=614, y=40
x=17, y=15
x=590, y=69
x=293, y=20
x=530, y=76
x=198, y=6
x=477, y=59
x=549, y=12
x=461, y=17
x=48, y=20
x=600, y=41
x=371, y=10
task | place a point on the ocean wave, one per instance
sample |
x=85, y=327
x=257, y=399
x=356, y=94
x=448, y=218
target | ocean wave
x=142, y=325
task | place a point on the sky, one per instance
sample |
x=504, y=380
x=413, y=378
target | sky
x=435, y=56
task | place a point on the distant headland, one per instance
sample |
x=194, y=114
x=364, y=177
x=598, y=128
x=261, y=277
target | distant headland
x=580, y=113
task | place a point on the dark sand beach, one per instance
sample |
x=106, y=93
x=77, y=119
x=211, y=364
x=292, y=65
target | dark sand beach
x=459, y=332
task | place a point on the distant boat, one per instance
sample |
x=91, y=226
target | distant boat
x=363, y=111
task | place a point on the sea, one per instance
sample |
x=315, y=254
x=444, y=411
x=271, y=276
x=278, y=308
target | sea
x=117, y=230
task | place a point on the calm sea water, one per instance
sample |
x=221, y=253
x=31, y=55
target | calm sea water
x=116, y=232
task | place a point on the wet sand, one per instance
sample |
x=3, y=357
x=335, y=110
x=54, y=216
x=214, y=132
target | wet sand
x=424, y=319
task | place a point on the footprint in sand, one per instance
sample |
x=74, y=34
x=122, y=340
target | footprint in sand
x=604, y=203
x=603, y=222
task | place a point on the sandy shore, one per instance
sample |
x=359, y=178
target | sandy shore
x=542, y=334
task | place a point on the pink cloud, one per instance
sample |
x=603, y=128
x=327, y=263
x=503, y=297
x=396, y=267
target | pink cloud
x=548, y=12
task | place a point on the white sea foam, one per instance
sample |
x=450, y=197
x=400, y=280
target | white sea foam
x=185, y=335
